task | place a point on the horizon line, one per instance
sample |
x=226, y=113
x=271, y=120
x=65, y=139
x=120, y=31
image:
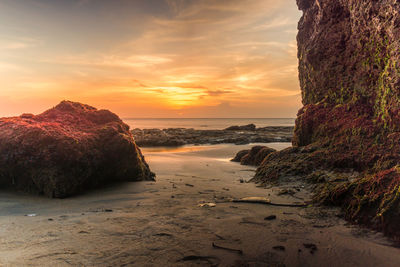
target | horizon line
x=133, y=118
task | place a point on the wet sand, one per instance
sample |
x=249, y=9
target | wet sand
x=161, y=223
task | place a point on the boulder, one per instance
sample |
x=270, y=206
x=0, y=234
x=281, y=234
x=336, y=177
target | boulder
x=349, y=54
x=68, y=149
x=254, y=156
x=240, y=155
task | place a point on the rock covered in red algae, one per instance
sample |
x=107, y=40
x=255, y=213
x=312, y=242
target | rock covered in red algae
x=253, y=156
x=67, y=150
x=349, y=54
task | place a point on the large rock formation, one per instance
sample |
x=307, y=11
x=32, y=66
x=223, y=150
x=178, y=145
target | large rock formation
x=68, y=149
x=349, y=69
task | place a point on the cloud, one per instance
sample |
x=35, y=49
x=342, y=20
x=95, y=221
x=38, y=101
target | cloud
x=140, y=83
x=9, y=43
x=98, y=60
x=276, y=23
x=218, y=92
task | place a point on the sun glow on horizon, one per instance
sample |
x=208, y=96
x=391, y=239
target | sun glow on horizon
x=161, y=58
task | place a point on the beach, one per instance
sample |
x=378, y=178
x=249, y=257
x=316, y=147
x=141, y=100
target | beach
x=164, y=223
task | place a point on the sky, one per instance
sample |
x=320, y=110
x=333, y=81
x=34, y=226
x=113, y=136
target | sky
x=151, y=58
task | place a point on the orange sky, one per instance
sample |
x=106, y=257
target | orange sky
x=153, y=58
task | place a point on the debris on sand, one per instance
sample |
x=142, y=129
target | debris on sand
x=208, y=259
x=267, y=201
x=207, y=205
x=286, y=191
x=262, y=200
x=281, y=248
x=238, y=251
x=248, y=221
x=101, y=210
x=270, y=218
x=312, y=247
x=220, y=237
x=163, y=234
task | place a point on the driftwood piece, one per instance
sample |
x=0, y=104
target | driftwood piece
x=239, y=251
x=266, y=201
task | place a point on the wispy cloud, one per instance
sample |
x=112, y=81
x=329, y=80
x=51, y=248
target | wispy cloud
x=17, y=43
x=277, y=22
x=218, y=92
x=98, y=60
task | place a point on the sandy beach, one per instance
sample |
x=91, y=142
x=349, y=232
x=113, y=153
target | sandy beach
x=162, y=224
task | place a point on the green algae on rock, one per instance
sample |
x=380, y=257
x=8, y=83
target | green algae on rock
x=349, y=54
x=67, y=150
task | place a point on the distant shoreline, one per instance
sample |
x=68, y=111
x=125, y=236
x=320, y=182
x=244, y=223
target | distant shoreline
x=239, y=135
x=204, y=123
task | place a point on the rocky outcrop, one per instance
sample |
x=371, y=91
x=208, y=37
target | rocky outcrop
x=68, y=149
x=248, y=127
x=254, y=156
x=182, y=136
x=240, y=155
x=349, y=54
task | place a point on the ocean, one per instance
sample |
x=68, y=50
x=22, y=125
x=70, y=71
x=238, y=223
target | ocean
x=205, y=123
